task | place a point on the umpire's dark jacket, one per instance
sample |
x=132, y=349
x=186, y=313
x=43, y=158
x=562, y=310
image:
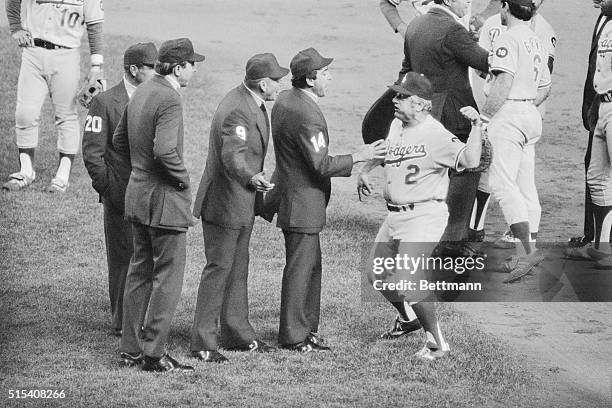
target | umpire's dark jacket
x=158, y=193
x=590, y=104
x=303, y=166
x=108, y=169
x=237, y=148
x=438, y=46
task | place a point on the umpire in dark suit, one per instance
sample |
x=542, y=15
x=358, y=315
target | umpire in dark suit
x=157, y=202
x=110, y=171
x=232, y=185
x=437, y=45
x=303, y=171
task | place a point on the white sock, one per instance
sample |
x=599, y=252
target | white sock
x=409, y=312
x=25, y=163
x=63, y=171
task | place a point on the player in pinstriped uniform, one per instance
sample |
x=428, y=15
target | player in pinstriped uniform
x=519, y=81
x=419, y=153
x=49, y=32
x=490, y=32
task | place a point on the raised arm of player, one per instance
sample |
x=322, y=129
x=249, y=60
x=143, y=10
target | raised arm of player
x=470, y=157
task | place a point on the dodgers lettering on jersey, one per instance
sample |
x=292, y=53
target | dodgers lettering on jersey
x=61, y=22
x=520, y=53
x=417, y=160
x=602, y=80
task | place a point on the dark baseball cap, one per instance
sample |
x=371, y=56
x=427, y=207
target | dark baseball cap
x=414, y=83
x=140, y=54
x=525, y=3
x=264, y=66
x=178, y=51
x=306, y=61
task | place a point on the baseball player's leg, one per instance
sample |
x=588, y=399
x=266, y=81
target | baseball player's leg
x=64, y=84
x=235, y=327
x=32, y=89
x=527, y=185
x=138, y=286
x=119, y=248
x=219, y=246
x=385, y=247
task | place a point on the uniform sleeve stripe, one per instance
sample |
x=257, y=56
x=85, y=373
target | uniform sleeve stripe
x=546, y=85
x=100, y=20
x=458, y=166
x=502, y=69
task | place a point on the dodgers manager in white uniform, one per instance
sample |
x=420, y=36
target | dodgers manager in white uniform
x=50, y=31
x=419, y=153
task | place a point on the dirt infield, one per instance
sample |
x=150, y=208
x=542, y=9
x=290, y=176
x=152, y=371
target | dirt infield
x=569, y=344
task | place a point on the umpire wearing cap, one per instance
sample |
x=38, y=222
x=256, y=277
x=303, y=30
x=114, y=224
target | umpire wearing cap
x=303, y=172
x=110, y=171
x=157, y=202
x=232, y=186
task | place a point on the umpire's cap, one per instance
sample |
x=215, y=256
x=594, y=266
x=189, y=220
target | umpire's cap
x=307, y=61
x=264, y=66
x=178, y=51
x=140, y=54
x=414, y=83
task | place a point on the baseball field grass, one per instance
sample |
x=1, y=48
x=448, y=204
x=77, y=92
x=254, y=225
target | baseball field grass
x=54, y=312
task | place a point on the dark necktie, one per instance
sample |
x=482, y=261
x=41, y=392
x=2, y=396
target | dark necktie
x=265, y=112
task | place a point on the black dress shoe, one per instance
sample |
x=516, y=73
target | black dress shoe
x=457, y=250
x=209, y=356
x=316, y=338
x=256, y=346
x=306, y=346
x=164, y=364
x=578, y=242
x=116, y=332
x=131, y=359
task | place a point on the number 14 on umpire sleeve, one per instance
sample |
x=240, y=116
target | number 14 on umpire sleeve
x=318, y=142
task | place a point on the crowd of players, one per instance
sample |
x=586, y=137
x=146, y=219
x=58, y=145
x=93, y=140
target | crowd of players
x=133, y=150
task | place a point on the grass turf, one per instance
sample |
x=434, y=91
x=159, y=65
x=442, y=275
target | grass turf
x=54, y=308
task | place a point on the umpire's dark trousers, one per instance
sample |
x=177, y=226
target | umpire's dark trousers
x=119, y=248
x=301, y=288
x=152, y=288
x=223, y=294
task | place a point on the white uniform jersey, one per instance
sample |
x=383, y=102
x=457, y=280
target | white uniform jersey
x=520, y=53
x=61, y=22
x=493, y=27
x=602, y=80
x=417, y=160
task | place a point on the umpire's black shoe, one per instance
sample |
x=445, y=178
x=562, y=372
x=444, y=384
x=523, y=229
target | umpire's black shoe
x=131, y=359
x=457, y=250
x=165, y=364
x=209, y=356
x=401, y=328
x=578, y=242
x=316, y=338
x=256, y=346
x=475, y=235
x=305, y=346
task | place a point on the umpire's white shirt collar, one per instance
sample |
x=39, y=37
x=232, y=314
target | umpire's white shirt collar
x=129, y=87
x=258, y=100
x=175, y=84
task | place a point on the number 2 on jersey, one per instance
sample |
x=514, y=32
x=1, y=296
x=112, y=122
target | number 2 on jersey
x=413, y=172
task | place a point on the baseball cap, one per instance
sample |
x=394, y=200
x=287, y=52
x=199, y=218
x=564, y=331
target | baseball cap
x=306, y=61
x=414, y=83
x=178, y=51
x=264, y=66
x=140, y=54
x=526, y=3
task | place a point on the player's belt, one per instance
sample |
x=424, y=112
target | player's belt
x=607, y=97
x=400, y=208
x=38, y=42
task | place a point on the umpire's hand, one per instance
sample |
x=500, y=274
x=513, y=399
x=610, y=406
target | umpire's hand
x=373, y=151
